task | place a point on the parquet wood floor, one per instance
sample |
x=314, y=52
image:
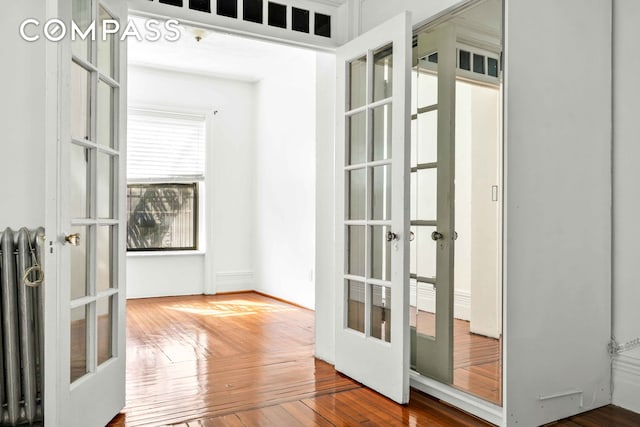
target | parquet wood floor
x=247, y=360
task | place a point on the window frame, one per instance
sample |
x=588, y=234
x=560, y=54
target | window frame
x=195, y=216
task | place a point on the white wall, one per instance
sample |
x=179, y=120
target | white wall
x=626, y=199
x=22, y=120
x=463, y=214
x=557, y=207
x=229, y=183
x=285, y=110
x=486, y=225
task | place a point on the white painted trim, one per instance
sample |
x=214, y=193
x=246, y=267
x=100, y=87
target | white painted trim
x=426, y=299
x=626, y=381
x=466, y=402
x=234, y=280
x=462, y=305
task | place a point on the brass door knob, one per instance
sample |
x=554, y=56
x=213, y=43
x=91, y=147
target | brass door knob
x=72, y=239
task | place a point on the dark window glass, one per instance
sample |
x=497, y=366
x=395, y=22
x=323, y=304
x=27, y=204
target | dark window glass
x=300, y=20
x=478, y=64
x=464, y=61
x=277, y=15
x=492, y=67
x=433, y=58
x=227, y=8
x=172, y=2
x=162, y=217
x=252, y=11
x=322, y=25
x=201, y=5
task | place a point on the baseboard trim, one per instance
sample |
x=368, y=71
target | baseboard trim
x=230, y=281
x=426, y=298
x=264, y=294
x=626, y=381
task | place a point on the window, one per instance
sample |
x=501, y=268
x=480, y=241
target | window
x=162, y=216
x=165, y=168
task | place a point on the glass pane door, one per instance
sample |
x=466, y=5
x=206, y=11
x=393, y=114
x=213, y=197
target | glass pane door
x=372, y=340
x=432, y=203
x=93, y=225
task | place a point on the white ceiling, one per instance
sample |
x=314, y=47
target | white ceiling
x=217, y=54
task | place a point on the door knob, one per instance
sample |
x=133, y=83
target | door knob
x=436, y=235
x=391, y=236
x=73, y=239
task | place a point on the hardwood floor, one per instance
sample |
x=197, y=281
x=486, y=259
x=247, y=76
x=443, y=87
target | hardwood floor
x=247, y=360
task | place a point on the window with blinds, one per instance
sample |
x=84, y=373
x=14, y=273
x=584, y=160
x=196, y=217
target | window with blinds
x=165, y=163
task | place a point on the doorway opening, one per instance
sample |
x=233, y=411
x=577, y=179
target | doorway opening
x=456, y=195
x=256, y=102
x=232, y=119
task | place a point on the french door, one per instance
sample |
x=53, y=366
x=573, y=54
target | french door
x=433, y=203
x=90, y=354
x=372, y=208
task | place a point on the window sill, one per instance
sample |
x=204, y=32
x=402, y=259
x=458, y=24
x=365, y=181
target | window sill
x=140, y=254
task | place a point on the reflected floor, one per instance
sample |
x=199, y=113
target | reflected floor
x=477, y=366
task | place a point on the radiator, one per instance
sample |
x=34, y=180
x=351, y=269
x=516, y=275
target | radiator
x=22, y=337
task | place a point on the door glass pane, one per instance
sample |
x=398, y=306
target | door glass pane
x=357, y=83
x=425, y=252
x=79, y=177
x=380, y=253
x=357, y=181
x=78, y=343
x=79, y=264
x=382, y=132
x=427, y=137
x=426, y=310
x=79, y=102
x=104, y=191
x=381, y=193
x=414, y=142
x=427, y=83
x=357, y=138
x=105, y=114
x=104, y=262
x=427, y=192
x=355, y=305
x=414, y=89
x=356, y=250
x=106, y=44
x=81, y=12
x=104, y=308
x=383, y=73
x=381, y=312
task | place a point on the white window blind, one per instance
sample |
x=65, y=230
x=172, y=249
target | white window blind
x=165, y=146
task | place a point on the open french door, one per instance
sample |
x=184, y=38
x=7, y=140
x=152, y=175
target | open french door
x=433, y=202
x=372, y=208
x=85, y=358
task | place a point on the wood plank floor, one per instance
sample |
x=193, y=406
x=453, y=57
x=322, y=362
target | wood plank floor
x=247, y=360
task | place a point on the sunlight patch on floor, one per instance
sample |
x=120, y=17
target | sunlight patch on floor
x=238, y=307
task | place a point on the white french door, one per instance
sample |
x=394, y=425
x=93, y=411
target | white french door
x=372, y=208
x=89, y=359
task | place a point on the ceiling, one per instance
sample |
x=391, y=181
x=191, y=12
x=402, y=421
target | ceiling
x=217, y=54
